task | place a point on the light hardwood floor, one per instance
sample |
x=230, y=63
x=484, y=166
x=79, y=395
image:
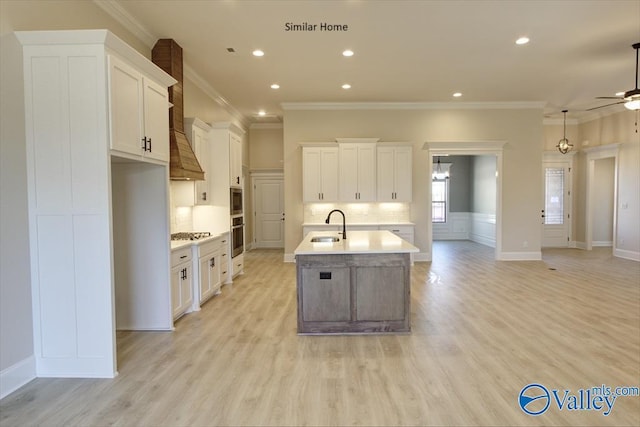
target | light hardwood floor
x=482, y=330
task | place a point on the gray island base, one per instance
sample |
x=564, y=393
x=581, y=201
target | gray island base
x=356, y=286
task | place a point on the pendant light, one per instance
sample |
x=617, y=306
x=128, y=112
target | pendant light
x=438, y=173
x=563, y=145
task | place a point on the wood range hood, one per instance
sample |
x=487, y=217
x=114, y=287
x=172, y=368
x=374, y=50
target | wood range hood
x=183, y=164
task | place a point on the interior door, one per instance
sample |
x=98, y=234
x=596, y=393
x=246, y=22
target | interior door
x=269, y=213
x=556, y=214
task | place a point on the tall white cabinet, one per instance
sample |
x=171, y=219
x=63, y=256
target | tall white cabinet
x=98, y=202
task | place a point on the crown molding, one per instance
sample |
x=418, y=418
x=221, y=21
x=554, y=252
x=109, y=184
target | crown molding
x=148, y=38
x=127, y=20
x=202, y=84
x=266, y=126
x=412, y=105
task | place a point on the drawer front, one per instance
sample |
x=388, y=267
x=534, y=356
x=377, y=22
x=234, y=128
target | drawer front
x=398, y=229
x=208, y=247
x=237, y=264
x=180, y=255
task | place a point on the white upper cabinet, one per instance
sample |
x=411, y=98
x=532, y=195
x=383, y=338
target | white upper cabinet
x=197, y=132
x=320, y=174
x=394, y=174
x=357, y=172
x=225, y=139
x=235, y=161
x=139, y=113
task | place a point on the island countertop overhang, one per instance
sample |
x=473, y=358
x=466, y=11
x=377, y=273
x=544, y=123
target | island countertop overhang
x=357, y=242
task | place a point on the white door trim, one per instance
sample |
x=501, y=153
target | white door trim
x=593, y=154
x=469, y=148
x=550, y=157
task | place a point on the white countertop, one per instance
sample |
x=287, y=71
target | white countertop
x=354, y=224
x=178, y=244
x=357, y=242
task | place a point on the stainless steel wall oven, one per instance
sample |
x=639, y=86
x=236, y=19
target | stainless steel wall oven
x=236, y=201
x=237, y=236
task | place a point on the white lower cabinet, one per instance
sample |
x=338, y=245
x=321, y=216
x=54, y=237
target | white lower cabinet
x=209, y=269
x=181, y=281
x=237, y=265
x=225, y=264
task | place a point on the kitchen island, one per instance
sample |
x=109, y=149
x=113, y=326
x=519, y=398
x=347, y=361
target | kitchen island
x=358, y=285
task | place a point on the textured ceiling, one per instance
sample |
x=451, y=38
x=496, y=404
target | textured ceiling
x=405, y=51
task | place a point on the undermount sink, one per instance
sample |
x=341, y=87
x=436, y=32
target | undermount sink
x=329, y=239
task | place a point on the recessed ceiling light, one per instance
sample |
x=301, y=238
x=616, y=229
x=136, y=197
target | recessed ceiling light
x=258, y=52
x=347, y=52
x=522, y=40
x=619, y=93
x=346, y=86
x=275, y=86
x=262, y=113
x=457, y=94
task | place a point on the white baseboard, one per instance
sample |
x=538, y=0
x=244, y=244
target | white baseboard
x=520, y=256
x=483, y=240
x=14, y=377
x=289, y=258
x=622, y=253
x=602, y=243
x=581, y=245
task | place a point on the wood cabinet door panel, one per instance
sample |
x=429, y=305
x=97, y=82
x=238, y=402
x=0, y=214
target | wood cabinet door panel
x=326, y=294
x=380, y=293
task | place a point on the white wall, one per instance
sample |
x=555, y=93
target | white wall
x=628, y=212
x=16, y=329
x=483, y=200
x=604, y=170
x=483, y=195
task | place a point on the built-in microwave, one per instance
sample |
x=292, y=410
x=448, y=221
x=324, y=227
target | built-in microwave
x=236, y=201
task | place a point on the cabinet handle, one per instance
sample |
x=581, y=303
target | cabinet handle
x=237, y=180
x=212, y=262
x=183, y=257
x=144, y=143
x=149, y=144
x=204, y=195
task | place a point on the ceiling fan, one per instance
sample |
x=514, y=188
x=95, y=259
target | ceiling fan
x=631, y=98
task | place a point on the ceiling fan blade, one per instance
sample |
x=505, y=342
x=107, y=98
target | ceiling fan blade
x=606, y=105
x=608, y=97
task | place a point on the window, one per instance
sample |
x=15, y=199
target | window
x=439, y=198
x=554, y=196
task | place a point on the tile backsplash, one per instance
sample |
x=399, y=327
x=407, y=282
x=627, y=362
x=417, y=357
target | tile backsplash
x=374, y=213
x=180, y=207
